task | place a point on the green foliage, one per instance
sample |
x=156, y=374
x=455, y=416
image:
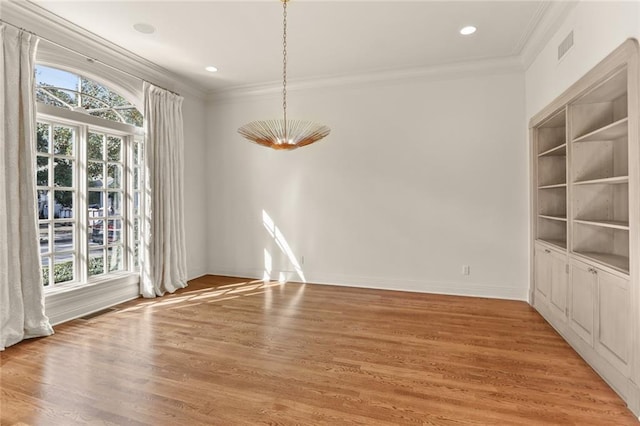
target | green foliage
x=63, y=272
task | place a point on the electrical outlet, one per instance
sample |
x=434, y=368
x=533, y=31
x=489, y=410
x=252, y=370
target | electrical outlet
x=466, y=270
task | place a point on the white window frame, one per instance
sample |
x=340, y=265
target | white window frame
x=108, y=288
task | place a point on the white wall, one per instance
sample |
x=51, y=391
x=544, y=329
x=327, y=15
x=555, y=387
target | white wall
x=417, y=178
x=195, y=185
x=599, y=27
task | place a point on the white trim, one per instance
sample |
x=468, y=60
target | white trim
x=34, y=18
x=532, y=25
x=472, y=289
x=440, y=72
x=74, y=302
x=76, y=118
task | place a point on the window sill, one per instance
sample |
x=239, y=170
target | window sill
x=76, y=300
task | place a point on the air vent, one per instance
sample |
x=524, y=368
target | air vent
x=566, y=44
x=98, y=313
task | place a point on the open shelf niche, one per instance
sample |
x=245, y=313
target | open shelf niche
x=600, y=173
x=552, y=180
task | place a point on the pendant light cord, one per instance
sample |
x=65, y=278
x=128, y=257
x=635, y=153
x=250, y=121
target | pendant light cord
x=284, y=65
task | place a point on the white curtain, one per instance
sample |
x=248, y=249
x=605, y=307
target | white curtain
x=164, y=265
x=21, y=293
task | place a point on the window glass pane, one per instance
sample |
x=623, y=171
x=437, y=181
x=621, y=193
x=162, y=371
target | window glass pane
x=136, y=229
x=63, y=268
x=114, y=176
x=43, y=137
x=63, y=235
x=63, y=172
x=42, y=171
x=63, y=207
x=136, y=254
x=95, y=147
x=95, y=174
x=97, y=232
x=115, y=258
x=45, y=271
x=96, y=262
x=115, y=204
x=136, y=204
x=44, y=238
x=96, y=201
x=43, y=96
x=114, y=148
x=63, y=140
x=132, y=116
x=114, y=233
x=136, y=148
x=43, y=204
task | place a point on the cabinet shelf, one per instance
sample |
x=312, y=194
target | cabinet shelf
x=556, y=243
x=556, y=151
x=614, y=224
x=610, y=132
x=610, y=180
x=550, y=217
x=617, y=262
x=556, y=185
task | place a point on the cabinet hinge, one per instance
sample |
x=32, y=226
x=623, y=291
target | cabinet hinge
x=566, y=268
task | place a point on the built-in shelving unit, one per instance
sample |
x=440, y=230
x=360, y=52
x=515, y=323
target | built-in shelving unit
x=585, y=163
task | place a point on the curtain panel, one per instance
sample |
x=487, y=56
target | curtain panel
x=21, y=293
x=164, y=264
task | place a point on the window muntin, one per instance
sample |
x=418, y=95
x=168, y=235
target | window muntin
x=77, y=93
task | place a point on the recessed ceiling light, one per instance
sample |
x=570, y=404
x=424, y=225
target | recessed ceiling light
x=143, y=28
x=468, y=30
x=211, y=69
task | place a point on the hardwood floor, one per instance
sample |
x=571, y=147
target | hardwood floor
x=228, y=351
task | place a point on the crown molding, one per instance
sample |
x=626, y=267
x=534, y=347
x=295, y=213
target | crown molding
x=533, y=23
x=438, y=72
x=551, y=20
x=41, y=22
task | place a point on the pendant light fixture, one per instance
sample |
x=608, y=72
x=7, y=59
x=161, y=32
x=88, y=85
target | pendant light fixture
x=284, y=134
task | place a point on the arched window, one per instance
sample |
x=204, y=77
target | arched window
x=89, y=178
x=67, y=90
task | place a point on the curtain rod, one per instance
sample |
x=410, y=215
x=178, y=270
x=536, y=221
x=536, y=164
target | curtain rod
x=92, y=60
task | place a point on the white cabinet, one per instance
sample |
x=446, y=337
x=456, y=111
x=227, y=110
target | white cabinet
x=600, y=312
x=585, y=199
x=613, y=328
x=582, y=300
x=551, y=279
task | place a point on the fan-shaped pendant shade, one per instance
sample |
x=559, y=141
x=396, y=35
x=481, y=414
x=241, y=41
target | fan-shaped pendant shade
x=284, y=134
x=274, y=134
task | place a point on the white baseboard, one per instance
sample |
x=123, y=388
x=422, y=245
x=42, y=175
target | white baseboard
x=76, y=302
x=472, y=289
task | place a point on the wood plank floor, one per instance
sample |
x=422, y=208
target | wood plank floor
x=227, y=351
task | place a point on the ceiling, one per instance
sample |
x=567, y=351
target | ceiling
x=243, y=39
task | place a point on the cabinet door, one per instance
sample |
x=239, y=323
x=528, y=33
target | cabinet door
x=542, y=273
x=558, y=277
x=582, y=300
x=614, y=320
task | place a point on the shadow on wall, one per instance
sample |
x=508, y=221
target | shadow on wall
x=281, y=241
